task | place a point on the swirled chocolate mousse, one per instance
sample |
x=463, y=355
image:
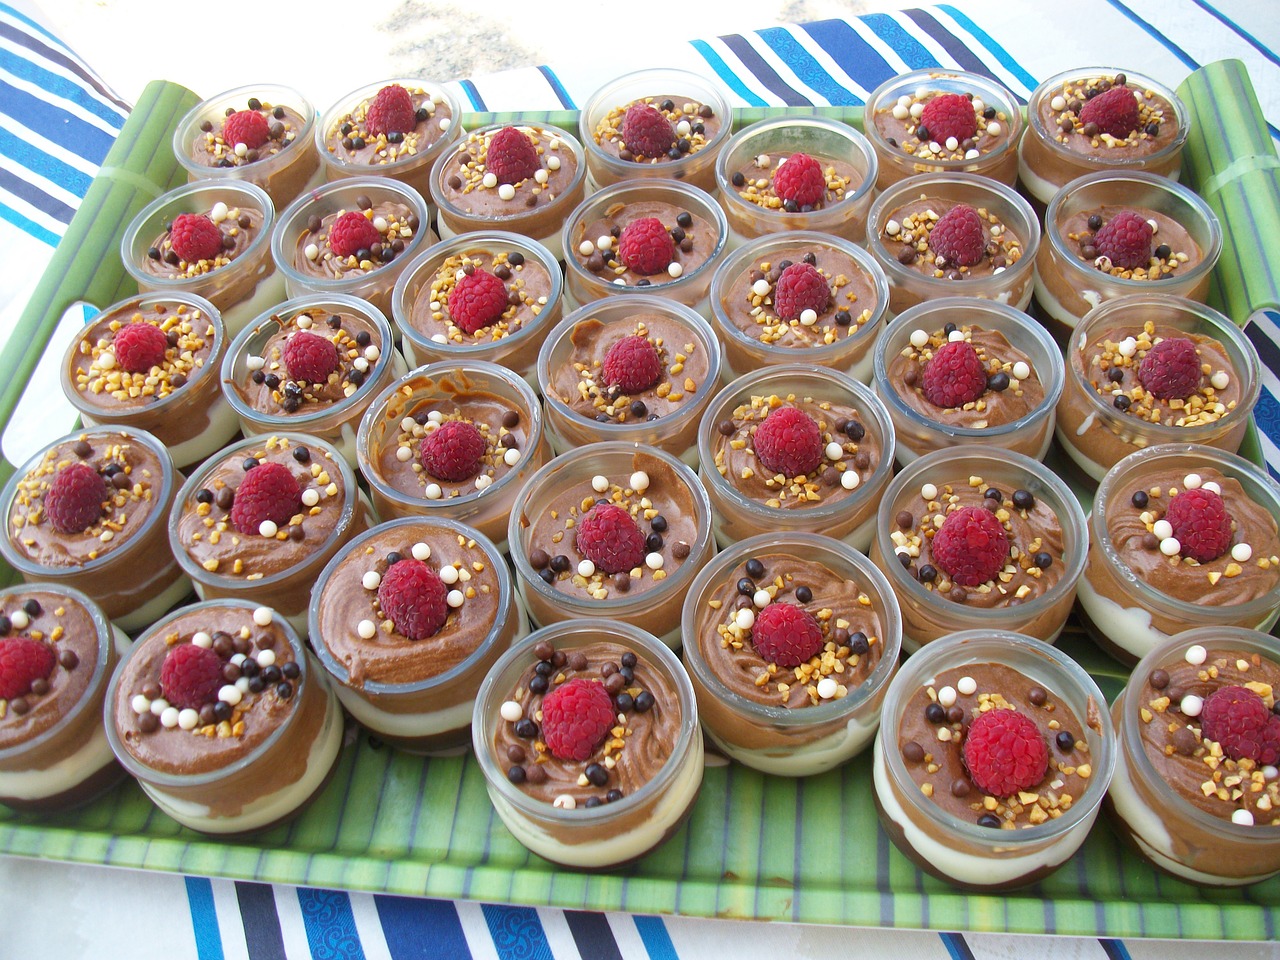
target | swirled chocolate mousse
x=195, y=244
x=480, y=297
x=795, y=183
x=398, y=122
x=989, y=745
x=258, y=132
x=1130, y=244
x=656, y=130
x=1108, y=118
x=950, y=241
x=644, y=243
x=932, y=125
x=353, y=243
x=781, y=630
x=506, y=171
x=587, y=726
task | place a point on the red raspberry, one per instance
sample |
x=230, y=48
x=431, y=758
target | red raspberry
x=267, y=492
x=1125, y=240
x=632, y=364
x=190, y=676
x=789, y=442
x=245, y=126
x=391, y=112
x=22, y=661
x=610, y=538
x=139, y=347
x=1171, y=369
x=453, y=451
x=477, y=300
x=959, y=236
x=971, y=546
x=801, y=287
x=949, y=115
x=1004, y=753
x=1200, y=524
x=646, y=132
x=511, y=156
x=955, y=376
x=310, y=357
x=195, y=237
x=576, y=717
x=414, y=598
x=786, y=634
x=1238, y=720
x=351, y=233
x=1115, y=112
x=801, y=180
x=646, y=247
x=75, y=497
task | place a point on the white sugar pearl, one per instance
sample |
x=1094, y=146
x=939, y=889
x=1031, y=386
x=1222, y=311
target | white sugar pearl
x=917, y=110
x=674, y=270
x=241, y=150
x=311, y=251
x=490, y=180
x=511, y=457
x=421, y=551
x=744, y=619
x=586, y=568
x=140, y=704
x=303, y=321
x=974, y=155
x=169, y=719
x=1128, y=347
x=683, y=128
x=808, y=317
x=653, y=561
x=919, y=338
x=850, y=479
x=893, y=228
x=1270, y=772
x=900, y=112
x=230, y=694
x=834, y=451
x=455, y=599
x=507, y=192
x=1021, y=370
x=1242, y=817
x=553, y=163
x=1220, y=380
x=202, y=639
x=904, y=100
x=268, y=528
x=266, y=658
x=263, y=616
x=967, y=686
x=407, y=424
x=449, y=574
x=238, y=658
x=1170, y=546
x=1191, y=705
x=371, y=580
x=311, y=496
x=403, y=454
x=380, y=224
x=20, y=620
x=761, y=288
x=445, y=123
x=367, y=629
x=1163, y=529
x=243, y=685
x=993, y=129
x=639, y=481
x=763, y=161
x=188, y=719
x=1212, y=488
x=1192, y=481
x=935, y=146
x=827, y=688
x=159, y=706
x=107, y=361
x=564, y=802
x=952, y=143
x=605, y=242
x=541, y=176
x=955, y=336
x=929, y=492
x=978, y=105
x=435, y=416
x=1241, y=552
x=510, y=711
x=1155, y=227
x=761, y=598
x=371, y=352
x=255, y=363
x=433, y=491
x=219, y=212
x=1058, y=103
x=947, y=696
x=483, y=481
x=599, y=483
x=1196, y=655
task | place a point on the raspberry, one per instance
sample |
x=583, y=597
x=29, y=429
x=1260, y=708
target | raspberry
x=1125, y=240
x=1115, y=112
x=74, y=501
x=391, y=112
x=971, y=546
x=954, y=376
x=646, y=132
x=453, y=451
x=610, y=538
x=139, y=347
x=959, y=236
x=414, y=598
x=511, y=156
x=646, y=247
x=1200, y=523
x=310, y=357
x=632, y=364
x=576, y=717
x=195, y=237
x=786, y=634
x=245, y=126
x=1004, y=753
x=789, y=442
x=800, y=180
x=22, y=661
x=1171, y=369
x=1238, y=720
x=190, y=676
x=949, y=115
x=351, y=233
x=477, y=300
x=801, y=287
x=267, y=492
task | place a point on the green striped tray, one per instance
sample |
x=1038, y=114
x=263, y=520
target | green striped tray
x=754, y=847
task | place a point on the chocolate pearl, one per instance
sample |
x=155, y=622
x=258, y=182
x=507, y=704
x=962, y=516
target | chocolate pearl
x=804, y=594
x=526, y=729
x=830, y=476
x=151, y=691
x=959, y=594
x=543, y=650
x=858, y=643
x=843, y=317
x=934, y=713
x=560, y=563
x=32, y=608
x=1095, y=223
x=754, y=569
x=1140, y=499
x=928, y=573
x=515, y=753
x=1122, y=402
x=597, y=774
x=1065, y=740
x=538, y=684
x=592, y=802
x=624, y=703
x=559, y=659
x=1090, y=129
x=1184, y=741
x=907, y=256
x=230, y=672
x=68, y=659
x=1163, y=251
x=1158, y=679
x=121, y=481
x=622, y=581
x=739, y=179
x=544, y=668
x=991, y=493
x=912, y=752
x=911, y=375
x=613, y=796
x=905, y=520
x=291, y=670
x=609, y=669
x=147, y=723
x=614, y=683
x=1023, y=500
x=644, y=702
x=746, y=586
x=959, y=787
x=222, y=711
x=1042, y=560
x=989, y=820
x=510, y=419
x=363, y=202
x=81, y=449
x=1150, y=541
x=39, y=686
x=257, y=685
x=685, y=219
x=680, y=550
x=516, y=774
x=241, y=645
x=653, y=542
x=955, y=714
x=659, y=523
x=1037, y=696
x=577, y=660
x=271, y=674
x=535, y=774
x=314, y=224
x=538, y=558
x=999, y=382
x=297, y=533
x=207, y=715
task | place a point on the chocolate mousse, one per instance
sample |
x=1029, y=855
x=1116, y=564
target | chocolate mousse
x=693, y=125
x=908, y=238
x=1154, y=120
x=527, y=286
x=257, y=132
x=757, y=183
x=354, y=137
x=1164, y=248
x=236, y=226
x=315, y=255
x=986, y=128
x=602, y=248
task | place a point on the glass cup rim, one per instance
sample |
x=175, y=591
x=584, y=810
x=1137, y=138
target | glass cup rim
x=182, y=134
x=350, y=100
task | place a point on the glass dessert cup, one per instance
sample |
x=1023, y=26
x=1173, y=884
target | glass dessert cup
x=842, y=512
x=270, y=567
x=182, y=404
x=53, y=748
x=580, y=835
x=1046, y=164
x=828, y=141
x=391, y=683
x=667, y=200
x=1041, y=610
x=481, y=392
x=754, y=337
x=957, y=848
x=922, y=428
x=374, y=282
x=130, y=574
x=606, y=106
x=738, y=714
x=916, y=282
x=241, y=288
x=1067, y=287
x=1157, y=802
x=993, y=154
x=292, y=161
x=240, y=788
x=1097, y=434
x=419, y=303
x=647, y=482
x=570, y=385
x=322, y=411
x=1124, y=611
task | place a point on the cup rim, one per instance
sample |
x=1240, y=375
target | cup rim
x=190, y=121
x=349, y=101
